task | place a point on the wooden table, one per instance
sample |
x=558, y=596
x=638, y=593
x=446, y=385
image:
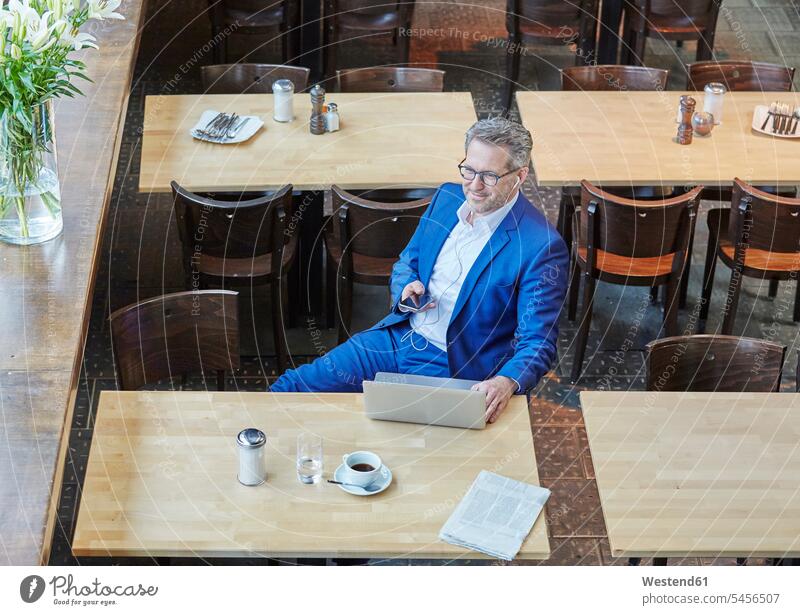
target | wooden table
x=697, y=474
x=161, y=478
x=45, y=298
x=386, y=140
x=626, y=138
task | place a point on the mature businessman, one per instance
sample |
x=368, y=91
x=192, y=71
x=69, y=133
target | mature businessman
x=496, y=271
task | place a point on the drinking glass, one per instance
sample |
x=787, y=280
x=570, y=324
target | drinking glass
x=309, y=458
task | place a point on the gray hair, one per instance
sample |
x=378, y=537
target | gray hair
x=514, y=137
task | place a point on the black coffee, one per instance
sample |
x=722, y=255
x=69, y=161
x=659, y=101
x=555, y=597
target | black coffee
x=362, y=467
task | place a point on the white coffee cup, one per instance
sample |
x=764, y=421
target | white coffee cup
x=360, y=477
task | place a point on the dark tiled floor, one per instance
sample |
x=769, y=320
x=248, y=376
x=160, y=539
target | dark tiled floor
x=141, y=252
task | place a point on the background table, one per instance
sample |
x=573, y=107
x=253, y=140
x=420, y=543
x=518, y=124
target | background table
x=697, y=474
x=161, y=478
x=386, y=140
x=626, y=138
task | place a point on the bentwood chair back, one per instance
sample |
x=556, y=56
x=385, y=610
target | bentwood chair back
x=251, y=78
x=722, y=363
x=629, y=242
x=236, y=242
x=613, y=78
x=757, y=237
x=740, y=76
x=256, y=18
x=358, y=18
x=364, y=239
x=548, y=21
x=689, y=20
x=176, y=335
x=390, y=79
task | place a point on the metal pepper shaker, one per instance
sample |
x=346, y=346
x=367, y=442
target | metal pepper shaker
x=252, y=461
x=685, y=128
x=317, y=124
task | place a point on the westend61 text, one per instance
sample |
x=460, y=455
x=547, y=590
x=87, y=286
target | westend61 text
x=670, y=582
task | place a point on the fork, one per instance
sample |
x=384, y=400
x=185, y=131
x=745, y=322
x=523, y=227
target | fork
x=211, y=128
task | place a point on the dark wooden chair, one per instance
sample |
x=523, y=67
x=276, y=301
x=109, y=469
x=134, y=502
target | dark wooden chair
x=239, y=242
x=723, y=363
x=629, y=242
x=757, y=237
x=608, y=78
x=613, y=78
x=256, y=18
x=176, y=335
x=714, y=363
x=555, y=22
x=365, y=18
x=690, y=20
x=740, y=76
x=364, y=240
x=250, y=78
x=390, y=79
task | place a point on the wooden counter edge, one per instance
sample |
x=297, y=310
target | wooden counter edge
x=55, y=493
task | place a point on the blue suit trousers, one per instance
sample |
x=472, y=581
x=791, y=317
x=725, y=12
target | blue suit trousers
x=395, y=349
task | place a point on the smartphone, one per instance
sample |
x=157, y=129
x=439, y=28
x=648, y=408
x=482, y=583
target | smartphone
x=424, y=301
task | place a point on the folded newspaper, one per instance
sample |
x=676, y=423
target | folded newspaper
x=495, y=515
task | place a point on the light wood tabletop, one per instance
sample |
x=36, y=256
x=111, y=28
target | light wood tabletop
x=627, y=138
x=386, y=140
x=161, y=478
x=697, y=474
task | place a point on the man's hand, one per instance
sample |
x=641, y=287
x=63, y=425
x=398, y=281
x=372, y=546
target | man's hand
x=498, y=391
x=415, y=290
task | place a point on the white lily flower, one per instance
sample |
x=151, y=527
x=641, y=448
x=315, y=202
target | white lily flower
x=78, y=40
x=103, y=9
x=16, y=52
x=38, y=34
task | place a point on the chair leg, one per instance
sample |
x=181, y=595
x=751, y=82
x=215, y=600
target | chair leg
x=684, y=291
x=654, y=294
x=404, y=46
x=705, y=46
x=773, y=288
x=796, y=315
x=220, y=380
x=671, y=306
x=574, y=290
x=708, y=278
x=344, y=307
x=512, y=70
x=583, y=330
x=566, y=208
x=732, y=301
x=329, y=50
x=330, y=292
x=641, y=45
x=278, y=324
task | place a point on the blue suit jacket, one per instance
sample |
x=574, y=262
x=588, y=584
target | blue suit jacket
x=505, y=319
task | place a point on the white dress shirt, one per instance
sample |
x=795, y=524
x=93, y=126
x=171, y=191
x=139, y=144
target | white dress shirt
x=459, y=252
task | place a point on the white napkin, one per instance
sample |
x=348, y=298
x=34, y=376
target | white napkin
x=253, y=125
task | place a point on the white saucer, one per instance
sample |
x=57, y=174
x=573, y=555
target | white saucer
x=382, y=482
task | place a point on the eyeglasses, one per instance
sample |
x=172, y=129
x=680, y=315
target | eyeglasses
x=489, y=178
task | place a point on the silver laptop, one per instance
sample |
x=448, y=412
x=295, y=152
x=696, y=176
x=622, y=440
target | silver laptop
x=425, y=399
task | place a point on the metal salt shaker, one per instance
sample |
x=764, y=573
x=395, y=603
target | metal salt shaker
x=252, y=461
x=317, y=124
x=332, y=118
x=712, y=102
x=283, y=92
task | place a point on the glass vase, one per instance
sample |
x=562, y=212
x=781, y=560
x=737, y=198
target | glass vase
x=30, y=196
